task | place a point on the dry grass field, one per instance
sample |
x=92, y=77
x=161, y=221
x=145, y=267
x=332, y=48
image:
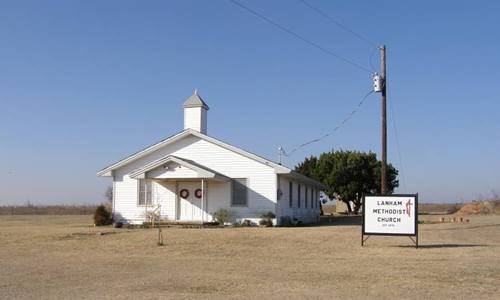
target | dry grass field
x=47, y=210
x=48, y=257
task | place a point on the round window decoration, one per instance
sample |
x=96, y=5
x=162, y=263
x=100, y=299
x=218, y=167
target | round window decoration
x=197, y=193
x=184, y=193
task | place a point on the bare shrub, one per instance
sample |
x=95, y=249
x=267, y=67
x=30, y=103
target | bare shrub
x=222, y=216
x=108, y=194
x=152, y=216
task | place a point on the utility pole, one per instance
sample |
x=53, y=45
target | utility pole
x=383, y=173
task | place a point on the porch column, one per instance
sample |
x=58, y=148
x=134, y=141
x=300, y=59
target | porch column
x=145, y=199
x=202, y=200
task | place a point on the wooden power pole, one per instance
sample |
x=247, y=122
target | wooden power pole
x=383, y=173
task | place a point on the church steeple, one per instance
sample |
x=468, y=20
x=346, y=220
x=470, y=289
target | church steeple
x=195, y=113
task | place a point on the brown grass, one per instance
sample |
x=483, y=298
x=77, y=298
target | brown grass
x=63, y=257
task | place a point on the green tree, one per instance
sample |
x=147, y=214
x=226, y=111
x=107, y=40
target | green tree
x=392, y=177
x=348, y=174
x=308, y=166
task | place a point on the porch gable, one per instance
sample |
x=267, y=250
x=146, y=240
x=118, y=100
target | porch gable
x=173, y=167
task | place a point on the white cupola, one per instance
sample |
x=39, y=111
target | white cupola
x=195, y=113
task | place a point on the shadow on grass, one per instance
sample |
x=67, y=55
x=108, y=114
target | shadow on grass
x=467, y=228
x=438, y=246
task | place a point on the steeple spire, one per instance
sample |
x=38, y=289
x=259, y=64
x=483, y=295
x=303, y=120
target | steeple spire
x=195, y=101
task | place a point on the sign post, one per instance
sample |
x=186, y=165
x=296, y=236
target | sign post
x=390, y=215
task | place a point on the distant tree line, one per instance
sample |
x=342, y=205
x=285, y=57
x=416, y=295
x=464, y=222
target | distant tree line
x=47, y=209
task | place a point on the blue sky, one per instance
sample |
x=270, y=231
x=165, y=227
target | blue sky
x=85, y=83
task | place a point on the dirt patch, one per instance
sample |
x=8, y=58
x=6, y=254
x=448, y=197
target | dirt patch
x=480, y=208
x=329, y=209
x=85, y=235
x=438, y=208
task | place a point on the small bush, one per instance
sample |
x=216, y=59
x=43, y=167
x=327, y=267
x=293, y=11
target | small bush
x=266, y=222
x=222, y=216
x=267, y=219
x=268, y=215
x=244, y=223
x=118, y=225
x=286, y=221
x=102, y=216
x=247, y=223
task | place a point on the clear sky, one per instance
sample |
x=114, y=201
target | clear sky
x=85, y=83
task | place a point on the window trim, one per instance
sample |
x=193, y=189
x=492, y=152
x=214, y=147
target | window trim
x=139, y=193
x=312, y=199
x=298, y=196
x=232, y=192
x=290, y=192
x=306, y=192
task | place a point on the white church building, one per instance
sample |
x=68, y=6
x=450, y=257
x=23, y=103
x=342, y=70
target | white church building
x=190, y=175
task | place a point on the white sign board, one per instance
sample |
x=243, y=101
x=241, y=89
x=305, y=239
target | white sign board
x=390, y=215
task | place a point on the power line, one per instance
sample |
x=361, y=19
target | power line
x=371, y=59
x=340, y=125
x=398, y=147
x=296, y=35
x=345, y=28
x=339, y=24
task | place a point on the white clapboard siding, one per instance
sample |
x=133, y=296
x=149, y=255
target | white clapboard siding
x=303, y=214
x=261, y=179
x=165, y=195
x=218, y=197
x=196, y=119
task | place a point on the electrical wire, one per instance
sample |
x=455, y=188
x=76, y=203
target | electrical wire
x=296, y=35
x=371, y=59
x=339, y=24
x=398, y=147
x=325, y=50
x=345, y=28
x=340, y=125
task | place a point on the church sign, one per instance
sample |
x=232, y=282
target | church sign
x=390, y=215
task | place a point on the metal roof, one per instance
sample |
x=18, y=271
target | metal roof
x=195, y=101
x=279, y=169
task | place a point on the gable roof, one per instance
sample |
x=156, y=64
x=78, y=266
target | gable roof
x=203, y=171
x=195, y=101
x=279, y=169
